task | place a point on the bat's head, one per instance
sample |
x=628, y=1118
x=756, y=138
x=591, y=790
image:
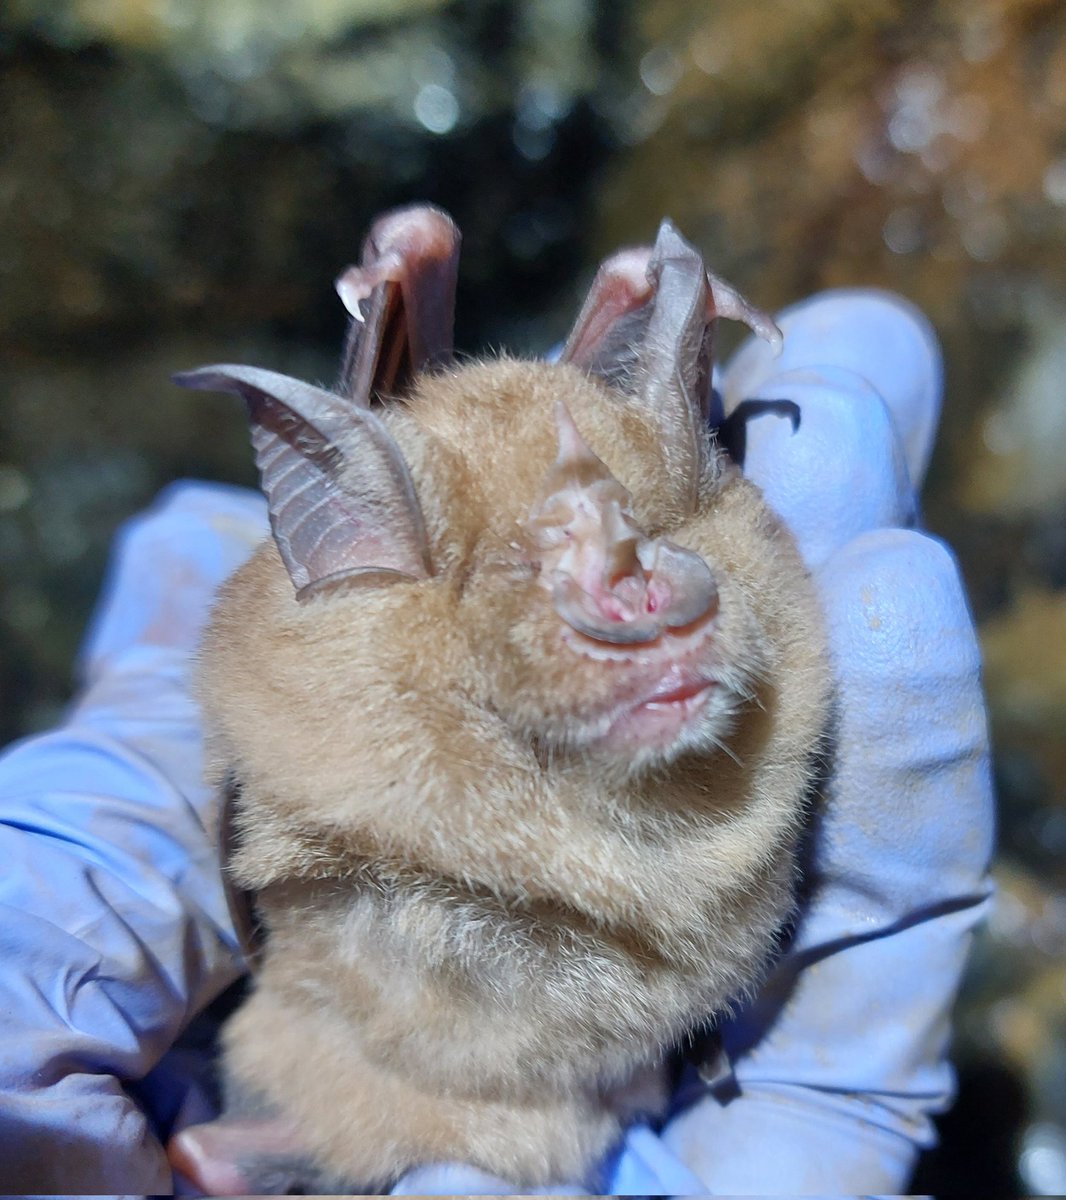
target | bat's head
x=585, y=543
x=567, y=549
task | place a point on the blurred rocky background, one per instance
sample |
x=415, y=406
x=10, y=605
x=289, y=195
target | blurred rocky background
x=180, y=180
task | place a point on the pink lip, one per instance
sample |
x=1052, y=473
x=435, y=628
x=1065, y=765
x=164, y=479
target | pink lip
x=677, y=695
x=659, y=718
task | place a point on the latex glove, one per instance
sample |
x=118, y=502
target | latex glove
x=113, y=923
x=841, y=1060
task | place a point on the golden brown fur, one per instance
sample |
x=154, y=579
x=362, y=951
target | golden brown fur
x=481, y=920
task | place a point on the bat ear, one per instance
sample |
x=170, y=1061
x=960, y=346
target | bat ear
x=402, y=301
x=646, y=329
x=342, y=501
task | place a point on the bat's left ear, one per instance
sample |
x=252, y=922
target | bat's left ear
x=342, y=501
x=646, y=329
x=401, y=298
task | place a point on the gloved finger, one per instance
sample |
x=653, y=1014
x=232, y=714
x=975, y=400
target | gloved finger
x=104, y=959
x=842, y=1058
x=83, y=1135
x=641, y=1166
x=647, y=1166
x=908, y=820
x=165, y=569
x=834, y=472
x=458, y=1179
x=783, y=1140
x=874, y=335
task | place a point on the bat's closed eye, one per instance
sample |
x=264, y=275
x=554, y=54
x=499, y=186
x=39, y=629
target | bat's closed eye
x=517, y=566
x=504, y=563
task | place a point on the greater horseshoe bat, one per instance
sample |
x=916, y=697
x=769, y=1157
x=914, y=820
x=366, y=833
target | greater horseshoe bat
x=520, y=709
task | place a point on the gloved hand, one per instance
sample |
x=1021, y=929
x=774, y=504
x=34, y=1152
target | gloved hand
x=842, y=1058
x=116, y=929
x=114, y=924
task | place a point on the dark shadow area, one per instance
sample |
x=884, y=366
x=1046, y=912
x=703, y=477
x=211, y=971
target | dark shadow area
x=979, y=1137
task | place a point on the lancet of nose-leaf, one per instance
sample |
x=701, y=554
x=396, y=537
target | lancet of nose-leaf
x=341, y=498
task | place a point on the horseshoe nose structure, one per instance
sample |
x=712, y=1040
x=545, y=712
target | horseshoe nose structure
x=608, y=580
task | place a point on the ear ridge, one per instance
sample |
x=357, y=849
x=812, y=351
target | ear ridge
x=609, y=329
x=342, y=501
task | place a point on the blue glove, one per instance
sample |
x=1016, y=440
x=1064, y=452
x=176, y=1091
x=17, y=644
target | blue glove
x=114, y=928
x=842, y=1058
x=115, y=912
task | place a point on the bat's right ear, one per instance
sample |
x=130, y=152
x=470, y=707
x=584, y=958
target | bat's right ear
x=342, y=501
x=646, y=330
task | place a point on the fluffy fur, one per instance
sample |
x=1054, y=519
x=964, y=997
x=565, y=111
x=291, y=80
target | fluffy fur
x=488, y=909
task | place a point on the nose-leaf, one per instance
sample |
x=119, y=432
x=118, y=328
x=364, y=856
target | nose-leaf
x=608, y=580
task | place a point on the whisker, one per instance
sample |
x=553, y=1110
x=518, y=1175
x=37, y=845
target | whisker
x=727, y=750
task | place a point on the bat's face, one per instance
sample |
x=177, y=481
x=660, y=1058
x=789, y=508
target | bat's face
x=565, y=547
x=597, y=602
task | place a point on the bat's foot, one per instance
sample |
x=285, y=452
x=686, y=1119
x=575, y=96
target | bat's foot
x=252, y=1157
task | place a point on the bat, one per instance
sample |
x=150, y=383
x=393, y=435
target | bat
x=520, y=710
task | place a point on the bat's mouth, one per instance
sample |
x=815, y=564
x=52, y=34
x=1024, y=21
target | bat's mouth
x=660, y=720
x=685, y=695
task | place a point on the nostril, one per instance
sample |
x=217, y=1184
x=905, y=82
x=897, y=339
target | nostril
x=635, y=611
x=659, y=595
x=603, y=617
x=680, y=585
